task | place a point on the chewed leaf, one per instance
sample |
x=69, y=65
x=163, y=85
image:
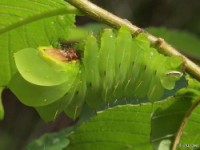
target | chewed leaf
x=35, y=69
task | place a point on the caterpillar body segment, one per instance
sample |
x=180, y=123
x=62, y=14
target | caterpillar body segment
x=107, y=61
x=90, y=63
x=122, y=54
x=156, y=89
x=77, y=98
x=122, y=59
x=91, y=71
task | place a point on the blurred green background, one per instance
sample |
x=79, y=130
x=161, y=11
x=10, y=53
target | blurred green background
x=181, y=14
x=22, y=124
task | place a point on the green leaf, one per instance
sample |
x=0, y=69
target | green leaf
x=1, y=105
x=129, y=126
x=188, y=133
x=190, y=129
x=122, y=127
x=33, y=95
x=17, y=13
x=30, y=24
x=33, y=68
x=169, y=118
x=141, y=126
x=182, y=40
x=51, y=141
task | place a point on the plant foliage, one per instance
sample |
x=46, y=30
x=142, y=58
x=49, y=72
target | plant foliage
x=144, y=126
x=110, y=66
x=30, y=24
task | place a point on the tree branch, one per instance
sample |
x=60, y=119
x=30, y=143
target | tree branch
x=104, y=16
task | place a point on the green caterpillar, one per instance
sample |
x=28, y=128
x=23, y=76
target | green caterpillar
x=109, y=68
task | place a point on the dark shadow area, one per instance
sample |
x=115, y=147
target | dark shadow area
x=22, y=124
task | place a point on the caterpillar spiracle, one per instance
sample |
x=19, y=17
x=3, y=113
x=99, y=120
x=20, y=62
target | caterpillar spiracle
x=111, y=67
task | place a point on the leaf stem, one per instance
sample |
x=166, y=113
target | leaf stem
x=104, y=16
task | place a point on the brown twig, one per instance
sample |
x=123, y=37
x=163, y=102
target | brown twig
x=104, y=16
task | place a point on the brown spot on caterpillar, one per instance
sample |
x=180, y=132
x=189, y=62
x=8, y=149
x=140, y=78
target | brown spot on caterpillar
x=67, y=55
